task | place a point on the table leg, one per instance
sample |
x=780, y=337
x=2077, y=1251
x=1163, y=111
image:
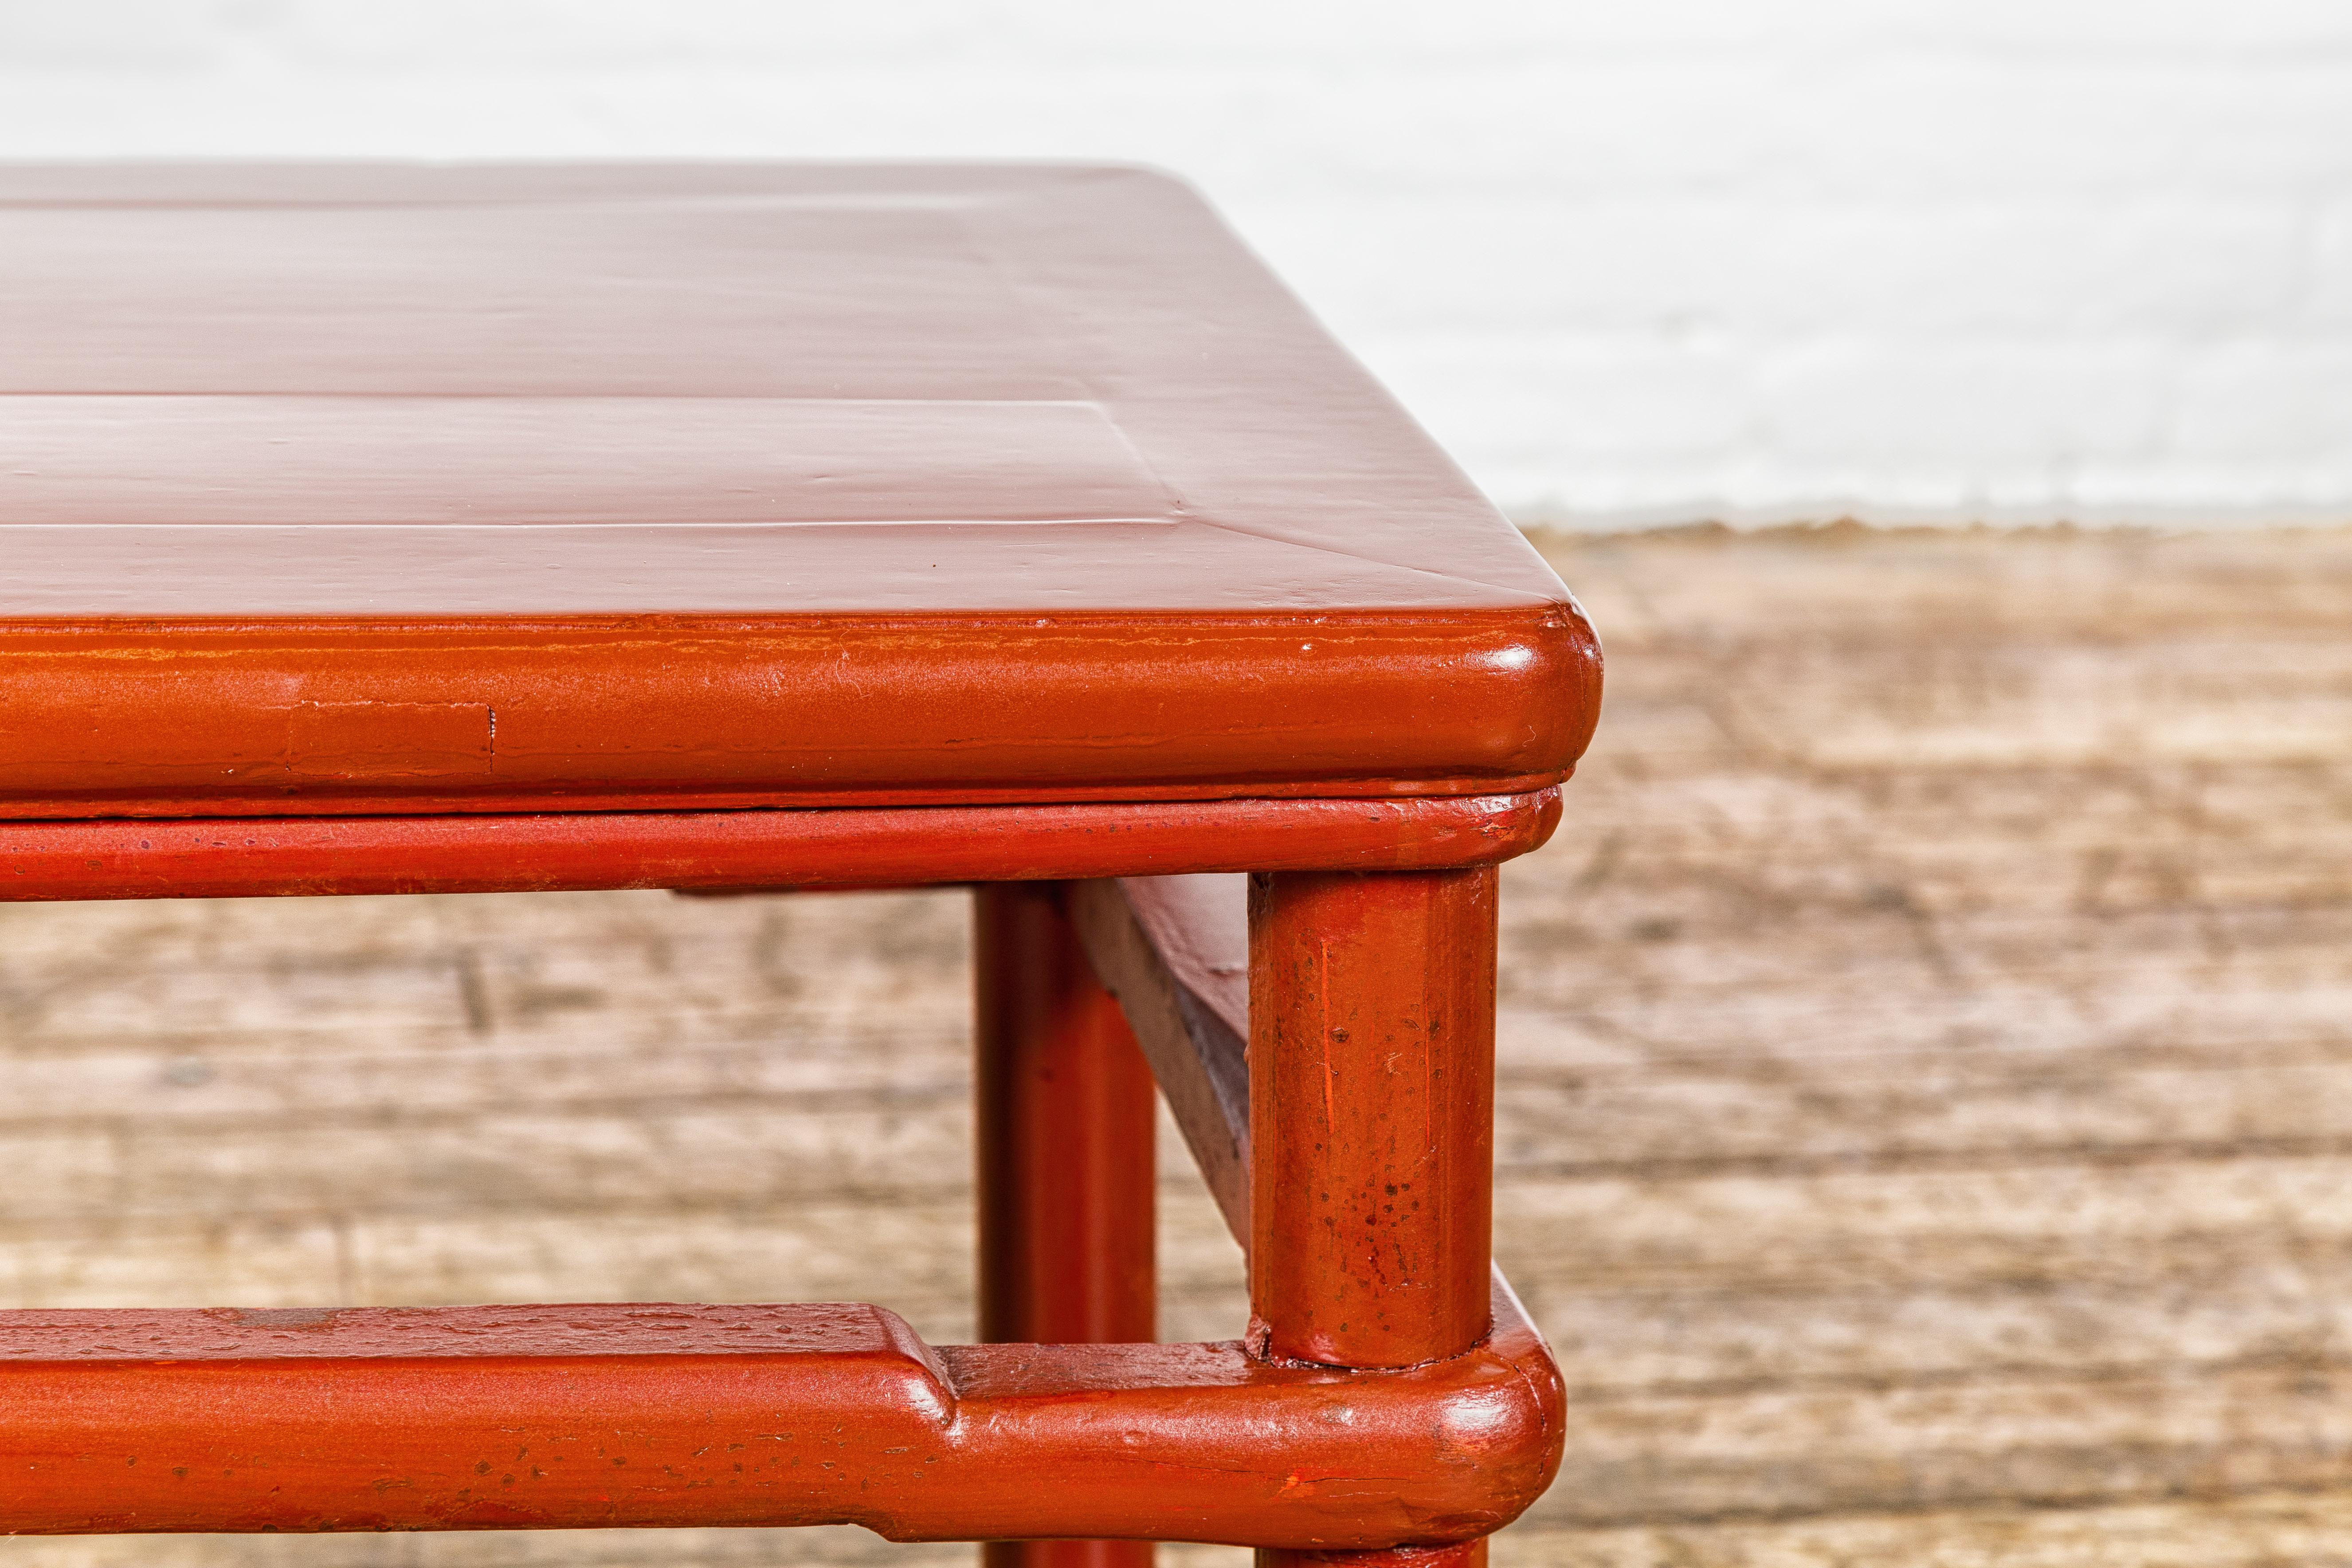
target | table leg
x=1371, y=1121
x=1065, y=1169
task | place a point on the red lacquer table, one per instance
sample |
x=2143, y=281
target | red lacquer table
x=712, y=528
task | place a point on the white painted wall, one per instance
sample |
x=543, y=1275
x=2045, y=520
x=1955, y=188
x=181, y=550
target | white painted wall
x=1632, y=259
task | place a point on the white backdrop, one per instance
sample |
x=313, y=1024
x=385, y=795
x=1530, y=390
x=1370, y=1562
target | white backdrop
x=1656, y=260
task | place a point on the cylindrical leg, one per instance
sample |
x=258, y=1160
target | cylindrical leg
x=1066, y=1173
x=1371, y=1126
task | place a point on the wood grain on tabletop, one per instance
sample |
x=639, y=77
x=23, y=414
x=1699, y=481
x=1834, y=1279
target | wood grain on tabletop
x=1924, y=1086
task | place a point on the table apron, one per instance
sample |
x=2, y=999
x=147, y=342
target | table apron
x=757, y=850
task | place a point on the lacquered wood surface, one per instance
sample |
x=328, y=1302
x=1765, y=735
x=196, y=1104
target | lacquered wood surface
x=1371, y=1066
x=755, y=482
x=1064, y=1175
x=656, y=1414
x=1063, y=1133
x=733, y=851
x=1175, y=951
x=201, y=718
x=1941, y=1108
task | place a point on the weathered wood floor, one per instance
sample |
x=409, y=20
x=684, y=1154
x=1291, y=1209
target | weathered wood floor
x=1926, y=1090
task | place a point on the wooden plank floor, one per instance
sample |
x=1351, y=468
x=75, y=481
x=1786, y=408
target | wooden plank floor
x=1927, y=1094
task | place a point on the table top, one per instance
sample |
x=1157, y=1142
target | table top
x=335, y=488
